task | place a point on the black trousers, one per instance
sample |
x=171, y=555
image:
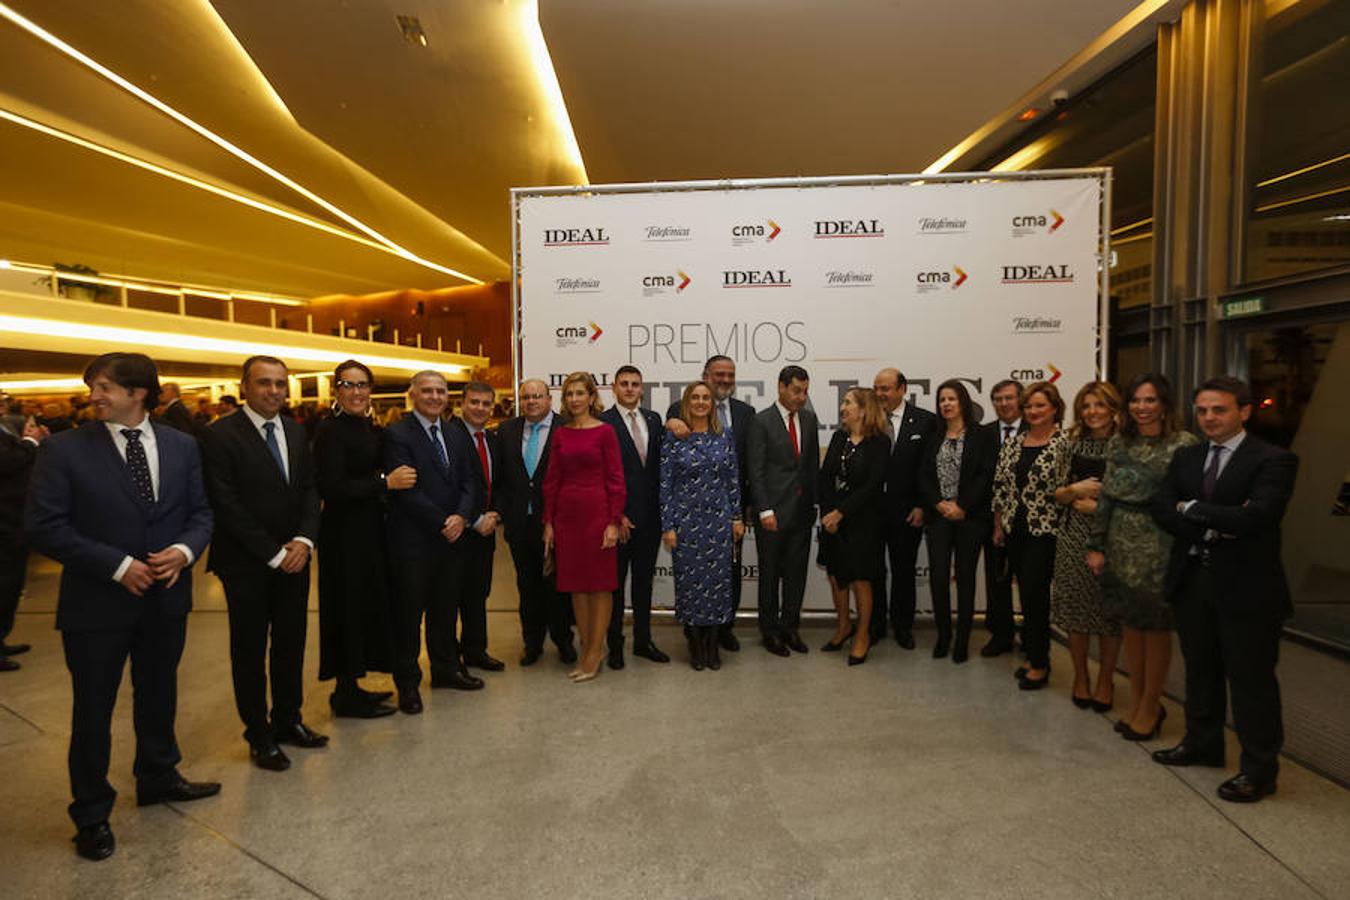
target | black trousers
x=429, y=584
x=543, y=609
x=263, y=601
x=13, y=573
x=783, y=558
x=962, y=540
x=477, y=584
x=1230, y=653
x=902, y=551
x=998, y=600
x=639, y=557
x=1033, y=565
x=96, y=660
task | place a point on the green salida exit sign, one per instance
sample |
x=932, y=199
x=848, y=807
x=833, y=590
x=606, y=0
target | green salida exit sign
x=1243, y=306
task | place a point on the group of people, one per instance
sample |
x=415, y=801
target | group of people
x=1121, y=523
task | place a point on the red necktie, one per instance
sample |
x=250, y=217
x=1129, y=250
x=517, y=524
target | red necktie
x=483, y=460
x=792, y=433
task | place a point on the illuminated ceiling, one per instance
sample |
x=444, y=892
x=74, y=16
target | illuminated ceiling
x=308, y=148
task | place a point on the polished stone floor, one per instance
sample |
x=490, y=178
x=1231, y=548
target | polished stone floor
x=801, y=777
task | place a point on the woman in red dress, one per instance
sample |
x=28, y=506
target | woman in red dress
x=583, y=507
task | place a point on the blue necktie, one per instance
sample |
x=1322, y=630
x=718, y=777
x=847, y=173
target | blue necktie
x=532, y=449
x=271, y=429
x=725, y=416
x=139, y=465
x=440, y=448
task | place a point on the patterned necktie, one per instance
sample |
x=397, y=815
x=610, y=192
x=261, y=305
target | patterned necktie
x=892, y=427
x=1211, y=477
x=139, y=465
x=792, y=433
x=483, y=461
x=440, y=448
x=1007, y=433
x=274, y=447
x=532, y=449
x=724, y=414
x=638, y=442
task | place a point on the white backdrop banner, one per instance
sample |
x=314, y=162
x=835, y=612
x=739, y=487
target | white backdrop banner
x=973, y=279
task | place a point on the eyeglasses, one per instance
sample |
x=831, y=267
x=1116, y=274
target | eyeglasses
x=354, y=385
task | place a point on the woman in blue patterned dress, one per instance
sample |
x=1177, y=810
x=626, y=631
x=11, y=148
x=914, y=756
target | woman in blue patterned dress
x=700, y=518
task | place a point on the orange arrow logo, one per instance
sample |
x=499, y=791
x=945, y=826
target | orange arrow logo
x=596, y=331
x=960, y=277
x=1059, y=220
x=684, y=281
x=1057, y=372
x=773, y=234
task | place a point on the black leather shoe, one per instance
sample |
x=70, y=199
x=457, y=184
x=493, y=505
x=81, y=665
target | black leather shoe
x=359, y=707
x=1241, y=789
x=300, y=735
x=1130, y=734
x=530, y=656
x=833, y=646
x=458, y=681
x=267, y=755
x=14, y=649
x=905, y=639
x=941, y=648
x=567, y=653
x=774, y=644
x=484, y=662
x=696, y=650
x=711, y=658
x=616, y=657
x=652, y=652
x=8, y=665
x=410, y=703
x=95, y=842
x=795, y=642
x=1033, y=684
x=374, y=696
x=1184, y=755
x=727, y=640
x=996, y=646
x=960, y=653
x=183, y=791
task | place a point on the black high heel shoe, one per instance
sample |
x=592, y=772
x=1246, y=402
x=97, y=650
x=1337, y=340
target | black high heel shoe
x=836, y=646
x=1130, y=734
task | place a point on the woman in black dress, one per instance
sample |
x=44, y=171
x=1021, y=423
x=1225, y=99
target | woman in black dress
x=956, y=480
x=354, y=626
x=851, y=480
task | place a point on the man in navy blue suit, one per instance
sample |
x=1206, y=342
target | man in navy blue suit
x=427, y=545
x=122, y=507
x=640, y=432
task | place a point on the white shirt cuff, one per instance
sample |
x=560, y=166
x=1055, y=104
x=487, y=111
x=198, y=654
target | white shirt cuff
x=32, y=440
x=304, y=540
x=122, y=569
x=275, y=562
x=1186, y=507
x=764, y=514
x=187, y=552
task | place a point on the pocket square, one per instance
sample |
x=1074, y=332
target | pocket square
x=916, y=437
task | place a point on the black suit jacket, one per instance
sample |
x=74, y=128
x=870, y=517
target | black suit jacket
x=176, y=415
x=84, y=512
x=417, y=515
x=16, y=464
x=1244, y=514
x=484, y=499
x=778, y=481
x=917, y=428
x=975, y=488
x=643, y=482
x=516, y=490
x=258, y=511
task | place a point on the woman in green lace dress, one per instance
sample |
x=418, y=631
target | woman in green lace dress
x=1129, y=552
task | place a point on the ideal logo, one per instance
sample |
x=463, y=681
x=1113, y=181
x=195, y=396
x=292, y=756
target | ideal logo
x=927, y=282
x=849, y=228
x=1027, y=225
x=1035, y=325
x=570, y=335
x=941, y=225
x=575, y=237
x=1050, y=274
x=665, y=234
x=754, y=234
x=756, y=278
x=576, y=285
x=1028, y=375
x=660, y=284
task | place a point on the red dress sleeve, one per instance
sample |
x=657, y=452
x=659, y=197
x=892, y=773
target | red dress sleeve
x=553, y=477
x=615, y=491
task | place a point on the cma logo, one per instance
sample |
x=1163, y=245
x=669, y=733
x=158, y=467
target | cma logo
x=1026, y=375
x=932, y=281
x=1050, y=274
x=849, y=228
x=746, y=234
x=590, y=332
x=679, y=281
x=575, y=237
x=1024, y=225
x=756, y=278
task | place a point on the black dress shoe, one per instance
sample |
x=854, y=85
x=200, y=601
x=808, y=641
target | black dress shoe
x=1130, y=734
x=1099, y=706
x=300, y=735
x=960, y=653
x=1026, y=683
x=710, y=655
x=1081, y=702
x=410, y=703
x=484, y=662
x=795, y=642
x=1184, y=755
x=996, y=646
x=858, y=660
x=8, y=665
x=774, y=644
x=267, y=755
x=359, y=707
x=374, y=696
x=95, y=842
x=726, y=639
x=14, y=649
x=458, y=681
x=567, y=653
x=183, y=791
x=1241, y=789
x=616, y=657
x=652, y=652
x=530, y=656
x=835, y=646
x=941, y=648
x=905, y=639
x=1120, y=726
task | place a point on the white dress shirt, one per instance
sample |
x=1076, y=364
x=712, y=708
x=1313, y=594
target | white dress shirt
x=280, y=432
x=152, y=460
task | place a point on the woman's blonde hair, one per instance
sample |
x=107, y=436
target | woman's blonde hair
x=1109, y=396
x=714, y=423
x=588, y=380
x=873, y=419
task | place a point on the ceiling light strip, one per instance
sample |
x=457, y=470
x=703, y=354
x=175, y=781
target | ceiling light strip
x=1304, y=199
x=94, y=65
x=1303, y=171
x=133, y=283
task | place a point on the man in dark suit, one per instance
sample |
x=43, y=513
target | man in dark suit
x=173, y=413
x=17, y=452
x=911, y=430
x=736, y=415
x=783, y=452
x=426, y=543
x=1223, y=501
x=122, y=507
x=483, y=450
x=1006, y=397
x=260, y=477
x=640, y=432
x=525, y=442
